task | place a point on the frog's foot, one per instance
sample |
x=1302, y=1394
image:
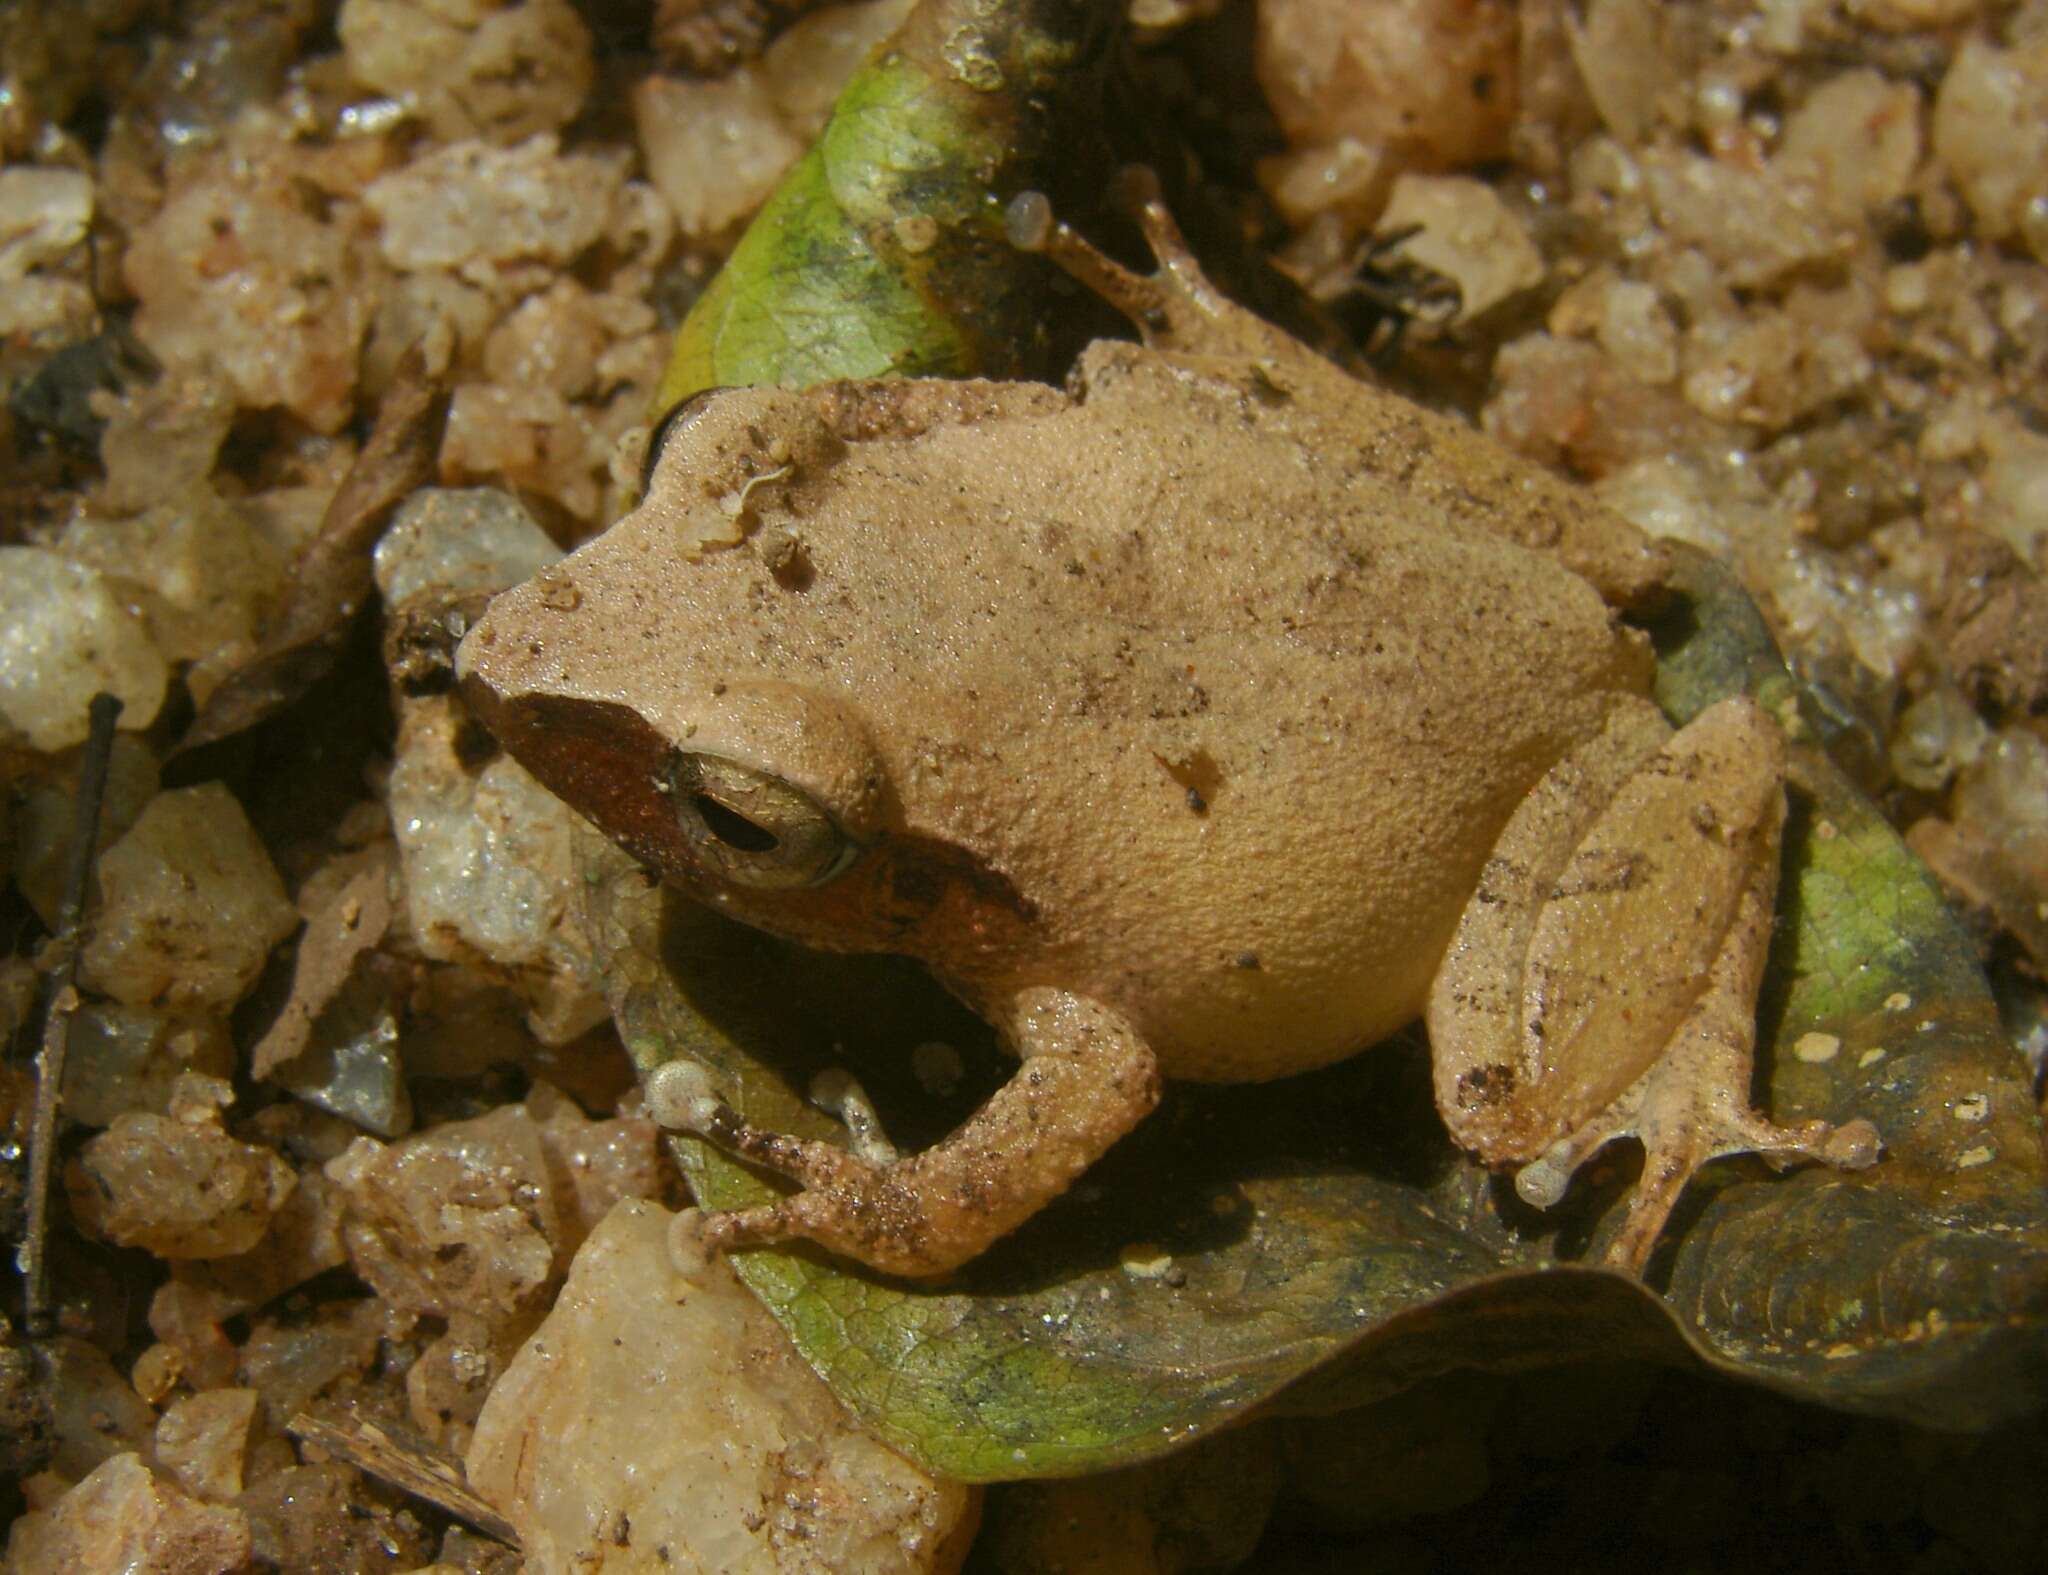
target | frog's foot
x=1692, y=1106
x=680, y=1097
x=1086, y=1079
x=1603, y=980
x=1174, y=308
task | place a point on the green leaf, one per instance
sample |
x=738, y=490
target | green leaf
x=882, y=252
x=1919, y=1288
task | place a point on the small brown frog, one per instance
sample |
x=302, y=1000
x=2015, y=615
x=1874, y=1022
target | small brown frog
x=1210, y=719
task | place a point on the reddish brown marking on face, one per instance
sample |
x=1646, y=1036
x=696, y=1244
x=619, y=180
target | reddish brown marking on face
x=901, y=893
x=604, y=759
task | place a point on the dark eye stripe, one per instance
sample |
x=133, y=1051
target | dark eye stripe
x=681, y=416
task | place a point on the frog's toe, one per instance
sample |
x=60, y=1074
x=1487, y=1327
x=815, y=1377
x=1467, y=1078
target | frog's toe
x=1542, y=1183
x=1854, y=1145
x=838, y=1093
x=714, y=1231
x=878, y=1221
x=1668, y=1164
x=698, y=1235
x=689, y=1243
x=680, y=1097
x=1685, y=1121
x=1176, y=307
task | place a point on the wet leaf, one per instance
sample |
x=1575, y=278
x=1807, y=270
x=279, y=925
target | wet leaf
x=882, y=251
x=1918, y=1288
x=1327, y=1244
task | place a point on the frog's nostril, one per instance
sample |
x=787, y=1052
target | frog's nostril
x=734, y=829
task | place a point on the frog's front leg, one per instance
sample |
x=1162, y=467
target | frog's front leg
x=1603, y=979
x=1087, y=1078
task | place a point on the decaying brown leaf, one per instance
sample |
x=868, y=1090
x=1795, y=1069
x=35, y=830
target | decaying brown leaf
x=1995, y=624
x=330, y=578
x=350, y=920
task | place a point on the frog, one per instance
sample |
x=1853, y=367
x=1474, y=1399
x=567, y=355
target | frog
x=1211, y=717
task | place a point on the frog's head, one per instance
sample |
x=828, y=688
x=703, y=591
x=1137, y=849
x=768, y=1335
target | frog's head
x=754, y=794
x=678, y=695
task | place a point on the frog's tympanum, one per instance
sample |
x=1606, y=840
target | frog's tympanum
x=1210, y=718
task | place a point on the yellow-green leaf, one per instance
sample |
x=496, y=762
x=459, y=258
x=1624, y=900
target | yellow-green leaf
x=882, y=251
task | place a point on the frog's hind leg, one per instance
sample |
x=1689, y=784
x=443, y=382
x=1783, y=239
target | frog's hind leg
x=1603, y=980
x=1085, y=1080
x=1692, y=1104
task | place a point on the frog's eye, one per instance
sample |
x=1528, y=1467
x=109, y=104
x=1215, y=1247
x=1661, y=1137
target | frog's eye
x=754, y=829
x=678, y=418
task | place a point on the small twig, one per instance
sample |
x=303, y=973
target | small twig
x=408, y=1467
x=58, y=1006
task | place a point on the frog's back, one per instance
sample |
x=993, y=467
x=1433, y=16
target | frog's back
x=1223, y=688
x=1218, y=692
